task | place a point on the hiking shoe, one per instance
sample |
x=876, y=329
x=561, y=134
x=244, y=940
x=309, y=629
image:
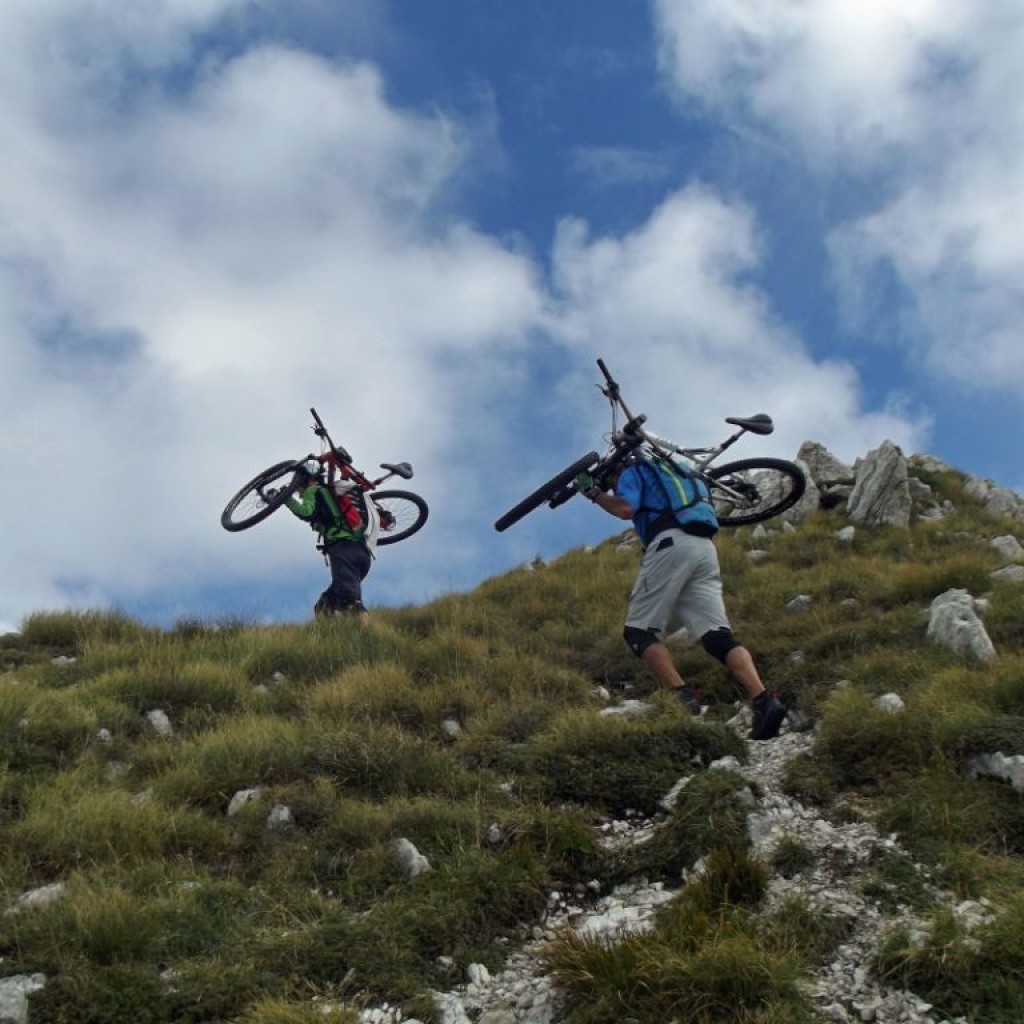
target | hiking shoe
x=687, y=696
x=768, y=716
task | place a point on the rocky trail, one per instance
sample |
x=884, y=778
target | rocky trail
x=841, y=989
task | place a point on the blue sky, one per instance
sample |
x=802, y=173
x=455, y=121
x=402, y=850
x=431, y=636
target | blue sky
x=429, y=219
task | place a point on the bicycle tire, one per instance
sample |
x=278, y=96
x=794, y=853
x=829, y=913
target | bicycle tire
x=768, y=495
x=406, y=511
x=251, y=505
x=546, y=491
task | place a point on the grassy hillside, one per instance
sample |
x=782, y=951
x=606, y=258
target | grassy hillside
x=470, y=727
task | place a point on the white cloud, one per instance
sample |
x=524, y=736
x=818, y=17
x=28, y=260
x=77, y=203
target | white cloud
x=199, y=242
x=912, y=102
x=670, y=310
x=846, y=78
x=183, y=279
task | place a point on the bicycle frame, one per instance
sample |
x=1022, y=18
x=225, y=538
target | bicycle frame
x=400, y=513
x=699, y=457
x=633, y=435
x=337, y=461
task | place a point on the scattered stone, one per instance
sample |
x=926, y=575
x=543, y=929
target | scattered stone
x=680, y=638
x=280, y=818
x=243, y=797
x=1009, y=547
x=822, y=466
x=14, y=993
x=954, y=623
x=1012, y=573
x=997, y=501
x=810, y=500
x=890, y=702
x=160, y=723
x=628, y=708
x=477, y=974
x=998, y=765
x=881, y=494
x=409, y=860
x=41, y=897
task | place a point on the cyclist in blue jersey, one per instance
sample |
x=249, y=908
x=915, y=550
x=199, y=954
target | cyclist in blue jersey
x=679, y=576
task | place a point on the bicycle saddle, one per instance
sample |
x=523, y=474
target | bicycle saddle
x=759, y=423
x=402, y=469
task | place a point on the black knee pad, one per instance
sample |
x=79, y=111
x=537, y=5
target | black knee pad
x=638, y=640
x=719, y=642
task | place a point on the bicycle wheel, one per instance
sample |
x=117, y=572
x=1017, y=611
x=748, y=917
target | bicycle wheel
x=402, y=513
x=757, y=489
x=260, y=496
x=546, y=491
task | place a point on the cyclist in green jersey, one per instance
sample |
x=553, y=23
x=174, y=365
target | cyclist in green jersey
x=347, y=534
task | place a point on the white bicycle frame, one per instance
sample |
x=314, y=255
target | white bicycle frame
x=699, y=458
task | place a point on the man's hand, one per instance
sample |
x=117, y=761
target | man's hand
x=586, y=485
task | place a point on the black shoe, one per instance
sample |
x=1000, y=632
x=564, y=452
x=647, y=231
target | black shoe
x=768, y=716
x=687, y=696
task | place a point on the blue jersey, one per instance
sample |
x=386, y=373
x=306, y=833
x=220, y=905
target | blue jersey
x=641, y=486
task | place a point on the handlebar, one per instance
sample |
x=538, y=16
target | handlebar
x=612, y=391
x=614, y=395
x=321, y=431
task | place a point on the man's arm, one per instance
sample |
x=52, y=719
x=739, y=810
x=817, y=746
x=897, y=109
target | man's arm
x=303, y=507
x=614, y=505
x=611, y=503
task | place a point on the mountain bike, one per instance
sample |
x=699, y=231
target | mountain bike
x=746, y=491
x=401, y=513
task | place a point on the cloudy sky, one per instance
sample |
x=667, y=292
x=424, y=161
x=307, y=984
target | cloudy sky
x=428, y=218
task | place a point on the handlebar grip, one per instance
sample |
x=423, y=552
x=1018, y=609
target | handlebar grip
x=604, y=370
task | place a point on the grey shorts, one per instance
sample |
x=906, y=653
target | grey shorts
x=679, y=578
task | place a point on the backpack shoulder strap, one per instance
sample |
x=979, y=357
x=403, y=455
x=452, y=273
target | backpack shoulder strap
x=670, y=477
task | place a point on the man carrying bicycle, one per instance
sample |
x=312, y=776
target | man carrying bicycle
x=346, y=525
x=679, y=574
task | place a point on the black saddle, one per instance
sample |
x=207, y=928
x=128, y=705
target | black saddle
x=759, y=423
x=402, y=469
